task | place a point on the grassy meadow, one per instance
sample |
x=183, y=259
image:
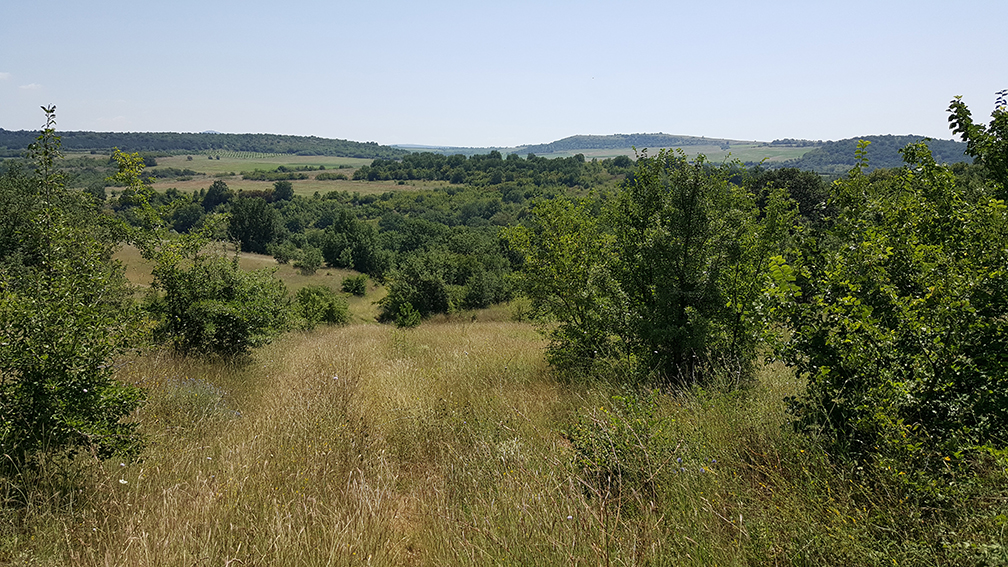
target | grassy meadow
x=450, y=444
x=236, y=162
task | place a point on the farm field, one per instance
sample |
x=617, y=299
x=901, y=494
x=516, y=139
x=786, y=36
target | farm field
x=236, y=162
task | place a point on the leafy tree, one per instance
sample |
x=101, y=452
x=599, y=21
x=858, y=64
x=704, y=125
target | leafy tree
x=283, y=191
x=901, y=326
x=65, y=313
x=674, y=287
x=693, y=258
x=988, y=145
x=254, y=224
x=218, y=194
x=186, y=217
x=568, y=266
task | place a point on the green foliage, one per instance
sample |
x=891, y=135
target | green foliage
x=568, y=276
x=902, y=323
x=310, y=260
x=674, y=288
x=204, y=303
x=211, y=306
x=420, y=282
x=355, y=285
x=320, y=304
x=254, y=224
x=283, y=252
x=65, y=313
x=218, y=194
x=693, y=257
x=283, y=191
x=624, y=448
x=989, y=145
x=187, y=217
x=407, y=317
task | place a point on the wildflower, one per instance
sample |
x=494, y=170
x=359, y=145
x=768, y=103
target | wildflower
x=123, y=481
x=570, y=517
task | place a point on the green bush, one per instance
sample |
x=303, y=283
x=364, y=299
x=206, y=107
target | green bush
x=320, y=304
x=669, y=281
x=310, y=260
x=407, y=317
x=623, y=449
x=211, y=306
x=355, y=285
x=65, y=313
x=901, y=323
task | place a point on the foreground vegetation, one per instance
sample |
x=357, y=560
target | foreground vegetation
x=650, y=427
x=455, y=444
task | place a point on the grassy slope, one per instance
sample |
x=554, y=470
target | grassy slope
x=362, y=309
x=442, y=446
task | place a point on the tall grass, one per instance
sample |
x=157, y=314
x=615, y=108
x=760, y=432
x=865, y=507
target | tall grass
x=453, y=444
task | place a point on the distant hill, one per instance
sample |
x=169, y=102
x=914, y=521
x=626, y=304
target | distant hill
x=883, y=152
x=12, y=143
x=832, y=158
x=618, y=141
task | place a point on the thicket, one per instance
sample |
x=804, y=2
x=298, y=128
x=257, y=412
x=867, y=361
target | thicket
x=666, y=281
x=493, y=169
x=889, y=297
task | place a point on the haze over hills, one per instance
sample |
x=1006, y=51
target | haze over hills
x=827, y=157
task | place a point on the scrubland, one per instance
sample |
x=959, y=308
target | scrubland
x=456, y=444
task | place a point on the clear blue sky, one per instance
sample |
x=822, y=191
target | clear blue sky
x=503, y=73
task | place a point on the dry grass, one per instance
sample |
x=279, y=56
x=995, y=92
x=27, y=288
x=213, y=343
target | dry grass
x=443, y=445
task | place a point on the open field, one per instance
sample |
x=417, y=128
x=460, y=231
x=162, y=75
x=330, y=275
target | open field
x=213, y=169
x=446, y=445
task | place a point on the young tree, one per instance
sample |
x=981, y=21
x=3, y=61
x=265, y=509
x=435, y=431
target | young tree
x=65, y=313
x=693, y=258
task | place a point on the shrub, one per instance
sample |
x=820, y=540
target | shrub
x=65, y=313
x=310, y=260
x=355, y=285
x=902, y=321
x=407, y=317
x=211, y=306
x=320, y=304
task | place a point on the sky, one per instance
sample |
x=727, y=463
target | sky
x=503, y=73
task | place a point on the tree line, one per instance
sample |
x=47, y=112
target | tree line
x=13, y=142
